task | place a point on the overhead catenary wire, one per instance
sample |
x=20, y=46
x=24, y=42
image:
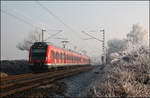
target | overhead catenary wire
x=18, y=18
x=53, y=35
x=50, y=12
x=25, y=15
x=25, y=21
x=56, y=17
x=92, y=36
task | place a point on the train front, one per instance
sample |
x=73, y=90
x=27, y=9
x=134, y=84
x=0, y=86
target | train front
x=37, y=56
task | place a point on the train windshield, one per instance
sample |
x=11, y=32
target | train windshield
x=39, y=53
x=38, y=50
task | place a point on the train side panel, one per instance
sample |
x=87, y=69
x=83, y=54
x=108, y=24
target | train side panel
x=57, y=57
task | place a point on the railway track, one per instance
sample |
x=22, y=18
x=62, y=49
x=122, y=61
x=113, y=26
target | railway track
x=17, y=83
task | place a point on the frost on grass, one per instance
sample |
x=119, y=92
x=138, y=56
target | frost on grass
x=128, y=71
x=13, y=67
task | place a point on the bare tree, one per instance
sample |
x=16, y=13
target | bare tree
x=34, y=36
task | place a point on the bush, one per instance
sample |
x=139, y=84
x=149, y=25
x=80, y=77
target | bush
x=124, y=79
x=12, y=67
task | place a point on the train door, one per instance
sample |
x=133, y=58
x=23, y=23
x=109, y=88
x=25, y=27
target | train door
x=30, y=56
x=81, y=59
x=62, y=58
x=48, y=55
x=69, y=58
x=54, y=57
x=57, y=57
x=72, y=58
x=66, y=58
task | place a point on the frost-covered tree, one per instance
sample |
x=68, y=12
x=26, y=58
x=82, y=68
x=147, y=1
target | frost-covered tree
x=127, y=75
x=136, y=40
x=138, y=37
x=116, y=45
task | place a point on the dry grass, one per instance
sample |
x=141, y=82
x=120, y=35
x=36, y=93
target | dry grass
x=3, y=75
x=48, y=91
x=12, y=67
x=123, y=78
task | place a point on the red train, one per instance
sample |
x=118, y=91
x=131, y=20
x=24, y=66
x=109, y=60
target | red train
x=43, y=55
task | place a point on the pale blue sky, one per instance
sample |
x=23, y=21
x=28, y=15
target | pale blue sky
x=116, y=17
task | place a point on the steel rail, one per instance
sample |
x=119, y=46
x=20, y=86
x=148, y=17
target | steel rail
x=37, y=80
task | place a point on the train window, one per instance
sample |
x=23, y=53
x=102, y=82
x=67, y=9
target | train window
x=38, y=50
